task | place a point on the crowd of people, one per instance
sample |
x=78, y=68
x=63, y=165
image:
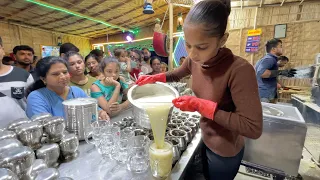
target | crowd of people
x=29, y=88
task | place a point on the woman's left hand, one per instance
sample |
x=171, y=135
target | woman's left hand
x=103, y=115
x=191, y=103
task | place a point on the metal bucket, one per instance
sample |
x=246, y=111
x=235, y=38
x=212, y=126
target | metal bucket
x=80, y=112
x=148, y=90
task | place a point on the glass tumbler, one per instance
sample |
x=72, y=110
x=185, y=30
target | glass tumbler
x=94, y=131
x=110, y=136
x=161, y=160
x=123, y=145
x=138, y=160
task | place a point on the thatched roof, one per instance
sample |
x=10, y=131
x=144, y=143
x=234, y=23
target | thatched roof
x=96, y=18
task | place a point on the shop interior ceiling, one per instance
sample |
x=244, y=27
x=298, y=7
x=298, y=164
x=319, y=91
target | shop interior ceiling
x=97, y=18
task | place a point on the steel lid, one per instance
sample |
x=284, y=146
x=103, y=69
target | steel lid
x=79, y=102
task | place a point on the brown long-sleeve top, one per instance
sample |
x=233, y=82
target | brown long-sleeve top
x=231, y=82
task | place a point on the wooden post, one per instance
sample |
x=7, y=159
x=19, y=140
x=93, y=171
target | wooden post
x=170, y=36
x=240, y=42
x=254, y=27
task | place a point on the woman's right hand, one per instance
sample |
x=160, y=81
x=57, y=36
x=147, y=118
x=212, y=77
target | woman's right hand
x=149, y=79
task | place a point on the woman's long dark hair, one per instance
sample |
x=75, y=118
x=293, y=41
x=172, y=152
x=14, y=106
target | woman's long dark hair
x=86, y=59
x=42, y=69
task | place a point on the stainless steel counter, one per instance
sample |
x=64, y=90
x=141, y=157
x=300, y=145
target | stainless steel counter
x=90, y=164
x=309, y=110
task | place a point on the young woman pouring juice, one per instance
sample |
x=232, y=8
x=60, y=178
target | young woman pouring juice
x=225, y=86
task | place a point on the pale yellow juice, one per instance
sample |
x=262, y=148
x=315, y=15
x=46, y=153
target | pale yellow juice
x=161, y=160
x=158, y=116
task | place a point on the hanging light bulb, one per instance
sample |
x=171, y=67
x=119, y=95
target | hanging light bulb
x=147, y=8
x=129, y=38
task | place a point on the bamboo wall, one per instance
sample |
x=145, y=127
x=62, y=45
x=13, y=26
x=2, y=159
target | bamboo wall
x=302, y=41
x=13, y=35
x=303, y=31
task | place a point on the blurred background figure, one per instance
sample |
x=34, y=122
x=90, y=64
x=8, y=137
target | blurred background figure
x=164, y=67
x=282, y=61
x=99, y=53
x=7, y=60
x=182, y=58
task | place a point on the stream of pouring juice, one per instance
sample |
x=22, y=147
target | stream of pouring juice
x=158, y=116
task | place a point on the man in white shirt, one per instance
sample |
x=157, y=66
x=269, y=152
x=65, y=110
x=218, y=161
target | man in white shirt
x=13, y=83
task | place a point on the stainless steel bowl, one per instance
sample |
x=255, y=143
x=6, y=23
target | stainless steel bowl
x=35, y=168
x=30, y=134
x=150, y=136
x=191, y=125
x=149, y=90
x=41, y=117
x=13, y=125
x=48, y=174
x=196, y=116
x=175, y=148
x=183, y=118
x=172, y=126
x=17, y=159
x=184, y=114
x=10, y=143
x=177, y=122
x=188, y=130
x=49, y=153
x=69, y=146
x=54, y=127
x=128, y=121
x=6, y=174
x=134, y=124
x=181, y=136
x=138, y=132
x=120, y=124
x=7, y=134
x=196, y=121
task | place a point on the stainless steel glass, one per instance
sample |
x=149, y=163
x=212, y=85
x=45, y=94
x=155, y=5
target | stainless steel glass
x=30, y=134
x=41, y=117
x=48, y=174
x=7, y=134
x=10, y=143
x=17, y=159
x=35, y=168
x=49, y=153
x=69, y=146
x=13, y=125
x=6, y=174
x=54, y=127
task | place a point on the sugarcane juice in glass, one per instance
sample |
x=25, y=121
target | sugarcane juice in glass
x=161, y=159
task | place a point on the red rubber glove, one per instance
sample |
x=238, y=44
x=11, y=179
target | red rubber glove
x=149, y=79
x=190, y=103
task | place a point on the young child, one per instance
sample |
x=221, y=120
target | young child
x=109, y=92
x=125, y=64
